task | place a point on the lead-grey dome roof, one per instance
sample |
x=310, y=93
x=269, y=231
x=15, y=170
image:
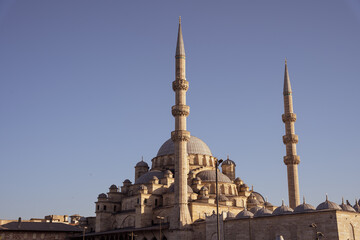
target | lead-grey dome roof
x=149, y=176
x=210, y=176
x=245, y=214
x=328, y=205
x=194, y=146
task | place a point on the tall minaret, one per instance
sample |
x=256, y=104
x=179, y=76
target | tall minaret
x=290, y=139
x=180, y=137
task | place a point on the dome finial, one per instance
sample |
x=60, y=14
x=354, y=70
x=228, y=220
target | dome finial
x=142, y=158
x=327, y=197
x=304, y=199
x=282, y=204
x=342, y=200
x=179, y=19
x=227, y=157
x=252, y=188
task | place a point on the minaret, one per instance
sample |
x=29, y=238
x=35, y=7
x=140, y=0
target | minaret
x=290, y=139
x=180, y=137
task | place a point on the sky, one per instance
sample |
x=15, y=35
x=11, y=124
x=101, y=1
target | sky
x=86, y=92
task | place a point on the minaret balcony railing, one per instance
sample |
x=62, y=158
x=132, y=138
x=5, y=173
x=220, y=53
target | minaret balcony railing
x=180, y=110
x=289, y=117
x=180, y=135
x=290, y=138
x=292, y=159
x=180, y=84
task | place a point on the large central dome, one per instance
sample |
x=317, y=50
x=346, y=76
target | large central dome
x=194, y=146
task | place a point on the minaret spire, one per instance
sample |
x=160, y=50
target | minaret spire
x=181, y=215
x=290, y=139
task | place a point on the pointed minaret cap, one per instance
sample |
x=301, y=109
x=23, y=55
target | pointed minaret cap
x=287, y=85
x=180, y=49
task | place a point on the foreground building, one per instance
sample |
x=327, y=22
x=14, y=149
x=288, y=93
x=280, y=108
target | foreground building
x=175, y=198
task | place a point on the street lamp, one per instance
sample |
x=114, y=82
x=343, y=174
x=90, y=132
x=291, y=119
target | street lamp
x=161, y=218
x=217, y=163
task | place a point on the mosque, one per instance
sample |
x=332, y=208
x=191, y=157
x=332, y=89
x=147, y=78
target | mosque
x=176, y=198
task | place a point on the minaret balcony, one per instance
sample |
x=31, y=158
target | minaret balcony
x=292, y=160
x=180, y=110
x=290, y=138
x=180, y=135
x=289, y=117
x=180, y=84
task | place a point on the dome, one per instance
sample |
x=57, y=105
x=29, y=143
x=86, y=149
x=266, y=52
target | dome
x=305, y=207
x=204, y=188
x=147, y=177
x=194, y=146
x=268, y=204
x=255, y=209
x=228, y=162
x=259, y=197
x=230, y=215
x=263, y=212
x=356, y=206
x=346, y=207
x=113, y=186
x=210, y=176
x=244, y=214
x=282, y=210
x=328, y=205
x=102, y=195
x=127, y=181
x=142, y=164
x=171, y=189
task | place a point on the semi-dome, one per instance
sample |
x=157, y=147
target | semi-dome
x=194, y=146
x=149, y=176
x=244, y=214
x=328, y=205
x=210, y=176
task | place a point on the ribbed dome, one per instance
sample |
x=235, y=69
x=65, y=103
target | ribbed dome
x=113, y=187
x=263, y=212
x=228, y=162
x=282, y=210
x=149, y=176
x=210, y=176
x=194, y=146
x=327, y=205
x=245, y=214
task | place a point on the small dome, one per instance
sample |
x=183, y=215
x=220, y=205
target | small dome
x=228, y=162
x=244, y=186
x=210, y=176
x=244, y=214
x=263, y=212
x=171, y=189
x=168, y=172
x=304, y=207
x=147, y=177
x=282, y=210
x=127, y=181
x=142, y=164
x=327, y=205
x=356, y=206
x=194, y=146
x=252, y=200
x=204, y=189
x=259, y=197
x=348, y=208
x=223, y=198
x=230, y=215
x=102, y=195
x=113, y=186
x=237, y=180
x=255, y=209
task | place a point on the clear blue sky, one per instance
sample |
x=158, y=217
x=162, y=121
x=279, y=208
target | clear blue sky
x=86, y=91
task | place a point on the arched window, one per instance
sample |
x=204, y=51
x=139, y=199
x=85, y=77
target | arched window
x=104, y=207
x=156, y=202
